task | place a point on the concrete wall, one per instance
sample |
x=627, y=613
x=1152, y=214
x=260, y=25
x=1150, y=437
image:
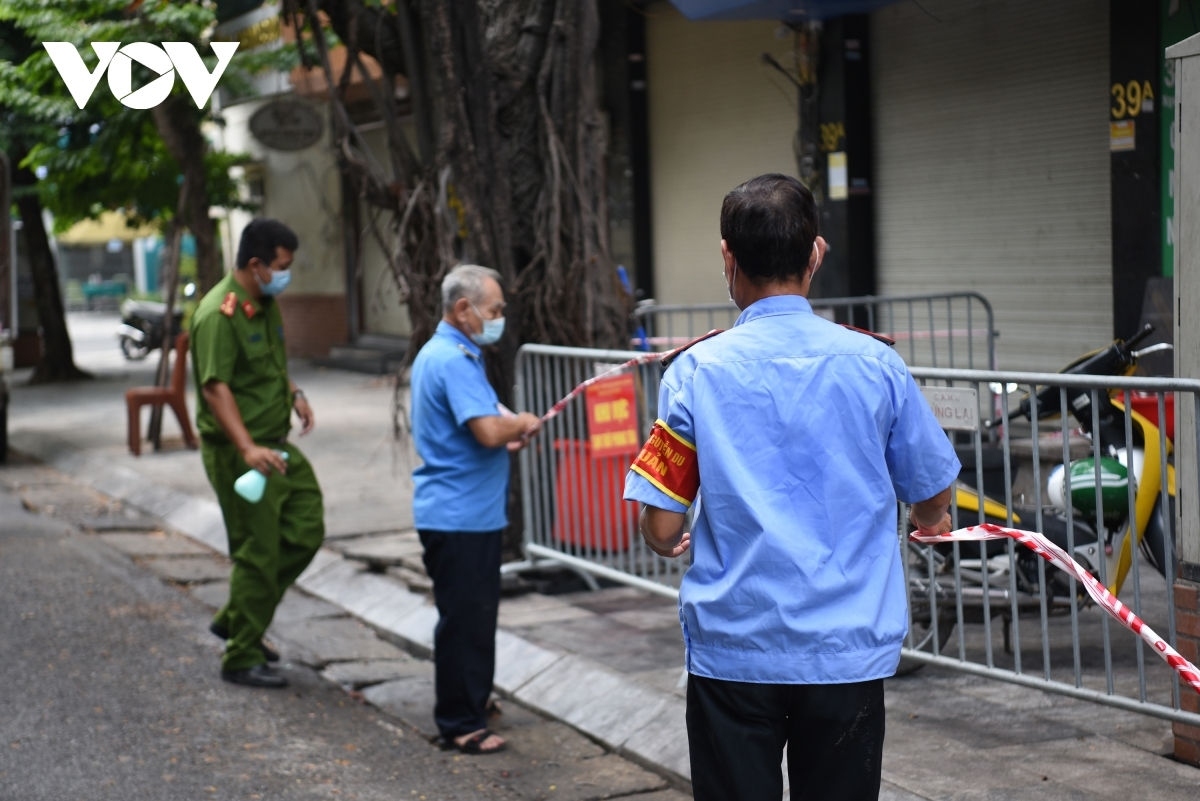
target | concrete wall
x=301, y=188
x=718, y=115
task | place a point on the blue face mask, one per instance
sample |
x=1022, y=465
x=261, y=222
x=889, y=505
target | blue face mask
x=279, y=282
x=492, y=330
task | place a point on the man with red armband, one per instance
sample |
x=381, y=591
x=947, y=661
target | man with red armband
x=800, y=435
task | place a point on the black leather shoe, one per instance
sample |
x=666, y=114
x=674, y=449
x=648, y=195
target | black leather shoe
x=257, y=676
x=269, y=653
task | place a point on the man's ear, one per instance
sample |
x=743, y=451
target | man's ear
x=727, y=256
x=460, y=309
x=820, y=248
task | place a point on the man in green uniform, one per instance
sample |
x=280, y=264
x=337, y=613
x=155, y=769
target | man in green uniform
x=244, y=408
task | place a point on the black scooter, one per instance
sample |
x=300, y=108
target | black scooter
x=142, y=329
x=1089, y=515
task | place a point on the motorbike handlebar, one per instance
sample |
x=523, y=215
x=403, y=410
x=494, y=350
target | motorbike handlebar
x=1113, y=360
x=1146, y=331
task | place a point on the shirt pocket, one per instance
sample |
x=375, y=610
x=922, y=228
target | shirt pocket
x=259, y=354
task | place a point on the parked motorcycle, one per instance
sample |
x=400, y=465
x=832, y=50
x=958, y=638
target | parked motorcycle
x=142, y=327
x=1088, y=512
x=1098, y=489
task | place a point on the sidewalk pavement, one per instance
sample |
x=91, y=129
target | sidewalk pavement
x=608, y=663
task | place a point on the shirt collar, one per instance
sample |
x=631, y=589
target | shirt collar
x=460, y=339
x=774, y=304
x=243, y=294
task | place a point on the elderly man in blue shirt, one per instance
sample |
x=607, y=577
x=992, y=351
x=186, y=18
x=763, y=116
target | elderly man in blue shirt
x=801, y=436
x=463, y=435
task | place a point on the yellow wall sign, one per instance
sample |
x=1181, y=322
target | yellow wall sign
x=839, y=186
x=1121, y=136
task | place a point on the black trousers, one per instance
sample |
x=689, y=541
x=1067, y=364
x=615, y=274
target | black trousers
x=737, y=731
x=465, y=569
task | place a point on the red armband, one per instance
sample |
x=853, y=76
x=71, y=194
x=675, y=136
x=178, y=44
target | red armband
x=669, y=463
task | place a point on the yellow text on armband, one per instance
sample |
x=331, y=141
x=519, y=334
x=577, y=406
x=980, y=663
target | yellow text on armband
x=669, y=463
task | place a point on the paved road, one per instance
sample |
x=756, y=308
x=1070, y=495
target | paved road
x=110, y=692
x=94, y=344
x=110, y=689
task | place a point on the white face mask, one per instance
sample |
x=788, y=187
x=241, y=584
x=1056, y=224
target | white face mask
x=492, y=330
x=279, y=282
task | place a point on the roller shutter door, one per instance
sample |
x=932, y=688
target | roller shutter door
x=992, y=166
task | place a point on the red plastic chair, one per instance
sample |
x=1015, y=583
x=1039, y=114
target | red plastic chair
x=156, y=397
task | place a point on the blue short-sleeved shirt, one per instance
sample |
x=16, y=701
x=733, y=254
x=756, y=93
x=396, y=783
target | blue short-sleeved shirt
x=806, y=433
x=462, y=486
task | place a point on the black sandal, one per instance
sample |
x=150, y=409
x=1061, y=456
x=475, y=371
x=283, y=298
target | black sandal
x=473, y=745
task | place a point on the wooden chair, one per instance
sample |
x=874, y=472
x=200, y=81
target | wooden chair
x=156, y=397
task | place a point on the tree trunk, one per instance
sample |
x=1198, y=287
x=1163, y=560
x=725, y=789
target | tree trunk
x=57, y=360
x=516, y=177
x=179, y=126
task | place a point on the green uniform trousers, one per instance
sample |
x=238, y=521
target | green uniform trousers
x=270, y=542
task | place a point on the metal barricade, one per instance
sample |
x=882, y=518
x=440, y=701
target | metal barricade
x=954, y=329
x=999, y=610
x=572, y=479
x=996, y=611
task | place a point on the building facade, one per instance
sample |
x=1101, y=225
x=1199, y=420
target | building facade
x=1015, y=148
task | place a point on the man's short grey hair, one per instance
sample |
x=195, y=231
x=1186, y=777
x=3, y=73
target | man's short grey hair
x=465, y=281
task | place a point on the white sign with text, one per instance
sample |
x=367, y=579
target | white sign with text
x=956, y=408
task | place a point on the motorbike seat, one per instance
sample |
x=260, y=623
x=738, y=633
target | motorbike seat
x=145, y=309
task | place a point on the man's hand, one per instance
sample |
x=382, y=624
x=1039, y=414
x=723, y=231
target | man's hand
x=932, y=516
x=943, y=526
x=531, y=425
x=680, y=548
x=506, y=429
x=264, y=459
x=663, y=531
x=305, y=413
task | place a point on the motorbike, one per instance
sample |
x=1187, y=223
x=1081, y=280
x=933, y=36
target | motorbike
x=1088, y=513
x=142, y=327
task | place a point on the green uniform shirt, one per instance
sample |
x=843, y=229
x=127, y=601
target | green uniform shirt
x=239, y=341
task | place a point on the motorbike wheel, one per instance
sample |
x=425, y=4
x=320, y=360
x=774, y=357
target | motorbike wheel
x=1154, y=541
x=132, y=350
x=923, y=638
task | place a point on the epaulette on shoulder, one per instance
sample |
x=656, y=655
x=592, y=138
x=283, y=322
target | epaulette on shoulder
x=882, y=338
x=670, y=357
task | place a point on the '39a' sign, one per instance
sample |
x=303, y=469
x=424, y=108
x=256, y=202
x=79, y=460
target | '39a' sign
x=117, y=61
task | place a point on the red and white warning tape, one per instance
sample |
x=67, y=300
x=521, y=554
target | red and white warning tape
x=636, y=361
x=1059, y=558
